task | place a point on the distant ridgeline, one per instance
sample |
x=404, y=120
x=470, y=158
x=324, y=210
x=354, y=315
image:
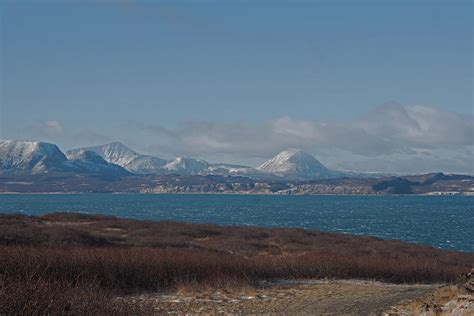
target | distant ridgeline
x=43, y=167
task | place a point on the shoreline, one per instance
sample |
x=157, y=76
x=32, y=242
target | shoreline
x=458, y=246
x=224, y=193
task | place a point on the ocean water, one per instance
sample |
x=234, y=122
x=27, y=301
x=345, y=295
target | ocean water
x=440, y=221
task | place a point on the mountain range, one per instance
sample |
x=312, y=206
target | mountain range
x=30, y=158
x=121, y=155
x=37, y=167
x=290, y=164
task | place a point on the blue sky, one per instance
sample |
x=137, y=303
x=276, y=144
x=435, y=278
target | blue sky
x=201, y=78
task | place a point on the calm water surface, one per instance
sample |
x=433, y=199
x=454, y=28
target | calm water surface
x=440, y=221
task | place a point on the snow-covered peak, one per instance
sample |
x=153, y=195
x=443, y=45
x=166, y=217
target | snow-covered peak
x=27, y=148
x=238, y=170
x=86, y=155
x=17, y=157
x=295, y=164
x=118, y=153
x=186, y=166
x=90, y=161
x=114, y=152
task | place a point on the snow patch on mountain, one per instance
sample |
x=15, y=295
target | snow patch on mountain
x=238, y=170
x=183, y=165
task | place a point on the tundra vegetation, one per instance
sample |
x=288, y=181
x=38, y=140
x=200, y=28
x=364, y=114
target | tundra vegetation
x=75, y=263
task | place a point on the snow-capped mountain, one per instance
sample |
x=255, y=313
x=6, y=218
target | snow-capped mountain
x=91, y=162
x=116, y=159
x=190, y=166
x=119, y=154
x=296, y=164
x=186, y=166
x=238, y=170
x=134, y=162
x=24, y=157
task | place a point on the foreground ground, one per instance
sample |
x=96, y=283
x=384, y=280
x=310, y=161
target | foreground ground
x=344, y=297
x=83, y=264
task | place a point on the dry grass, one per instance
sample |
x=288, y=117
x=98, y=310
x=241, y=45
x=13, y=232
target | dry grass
x=61, y=261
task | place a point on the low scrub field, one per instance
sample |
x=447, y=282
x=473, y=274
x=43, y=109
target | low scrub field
x=72, y=263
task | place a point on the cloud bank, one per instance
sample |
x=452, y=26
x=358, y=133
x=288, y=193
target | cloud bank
x=392, y=138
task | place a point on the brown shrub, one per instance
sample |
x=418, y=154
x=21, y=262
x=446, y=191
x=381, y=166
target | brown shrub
x=53, y=297
x=76, y=264
x=149, y=269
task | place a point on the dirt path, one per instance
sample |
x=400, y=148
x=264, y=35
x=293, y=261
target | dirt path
x=288, y=298
x=354, y=299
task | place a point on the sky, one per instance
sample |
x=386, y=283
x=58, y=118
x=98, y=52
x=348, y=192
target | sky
x=362, y=85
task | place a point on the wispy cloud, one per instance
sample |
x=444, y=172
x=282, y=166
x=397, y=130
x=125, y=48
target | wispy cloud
x=48, y=129
x=87, y=136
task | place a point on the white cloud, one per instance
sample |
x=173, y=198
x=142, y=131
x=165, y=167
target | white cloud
x=53, y=128
x=48, y=129
x=391, y=138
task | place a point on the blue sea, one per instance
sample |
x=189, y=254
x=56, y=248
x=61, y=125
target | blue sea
x=440, y=221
